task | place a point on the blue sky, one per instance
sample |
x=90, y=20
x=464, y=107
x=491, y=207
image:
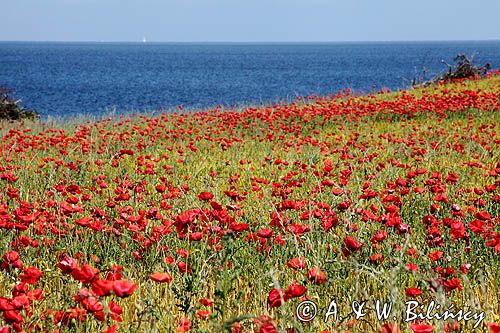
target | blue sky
x=252, y=20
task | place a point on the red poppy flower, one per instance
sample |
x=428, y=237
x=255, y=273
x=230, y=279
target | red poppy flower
x=12, y=316
x=452, y=327
x=115, y=308
x=413, y=292
x=420, y=328
x=389, y=328
x=5, y=304
x=316, y=276
x=114, y=273
x=112, y=329
x=452, y=284
x=183, y=267
x=85, y=274
x=494, y=328
x=238, y=227
x=412, y=267
x=31, y=275
x=484, y=216
x=184, y=325
x=379, y=236
x=297, y=263
x=267, y=328
x=275, y=298
x=206, y=301
x=434, y=256
x=265, y=233
x=11, y=256
x=11, y=260
x=19, y=302
x=195, y=236
x=477, y=226
x=102, y=287
x=161, y=277
x=376, y=258
x=115, y=311
x=92, y=304
x=205, y=196
x=294, y=290
x=85, y=221
x=203, y=314
x=351, y=245
x=124, y=288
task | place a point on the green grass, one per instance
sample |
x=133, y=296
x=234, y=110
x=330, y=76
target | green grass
x=236, y=273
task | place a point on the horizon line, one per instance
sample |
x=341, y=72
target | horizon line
x=140, y=41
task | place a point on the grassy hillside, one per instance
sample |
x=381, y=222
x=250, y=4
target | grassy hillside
x=227, y=220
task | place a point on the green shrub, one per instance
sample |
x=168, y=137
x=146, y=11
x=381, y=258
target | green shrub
x=11, y=110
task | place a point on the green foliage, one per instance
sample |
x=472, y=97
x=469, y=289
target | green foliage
x=11, y=110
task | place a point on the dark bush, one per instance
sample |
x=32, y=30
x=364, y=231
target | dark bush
x=11, y=110
x=464, y=68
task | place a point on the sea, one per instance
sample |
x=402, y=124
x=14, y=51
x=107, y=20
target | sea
x=66, y=79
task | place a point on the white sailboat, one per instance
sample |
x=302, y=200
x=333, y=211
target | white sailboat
x=144, y=40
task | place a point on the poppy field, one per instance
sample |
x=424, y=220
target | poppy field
x=227, y=220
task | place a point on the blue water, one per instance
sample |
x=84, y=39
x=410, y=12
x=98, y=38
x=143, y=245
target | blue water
x=65, y=79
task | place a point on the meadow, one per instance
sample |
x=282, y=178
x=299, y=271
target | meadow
x=226, y=220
